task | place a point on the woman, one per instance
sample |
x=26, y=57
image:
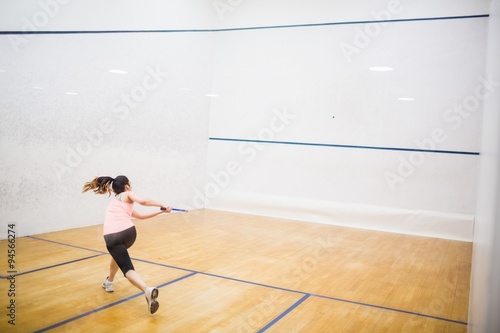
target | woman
x=119, y=231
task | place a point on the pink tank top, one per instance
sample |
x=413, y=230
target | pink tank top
x=118, y=216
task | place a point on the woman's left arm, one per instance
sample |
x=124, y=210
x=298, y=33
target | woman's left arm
x=140, y=216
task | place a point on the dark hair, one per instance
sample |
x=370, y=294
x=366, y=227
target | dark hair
x=102, y=185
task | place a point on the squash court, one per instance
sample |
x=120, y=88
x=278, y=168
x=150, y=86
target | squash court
x=338, y=163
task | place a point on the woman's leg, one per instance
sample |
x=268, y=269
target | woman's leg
x=113, y=269
x=136, y=280
x=108, y=283
x=117, y=245
x=151, y=293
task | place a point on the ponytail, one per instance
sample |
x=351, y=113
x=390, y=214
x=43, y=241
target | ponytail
x=100, y=185
x=103, y=185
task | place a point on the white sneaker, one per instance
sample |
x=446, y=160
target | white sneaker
x=151, y=296
x=108, y=286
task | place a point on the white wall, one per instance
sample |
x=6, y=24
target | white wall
x=485, y=286
x=316, y=76
x=95, y=15
x=254, y=13
x=312, y=84
x=150, y=124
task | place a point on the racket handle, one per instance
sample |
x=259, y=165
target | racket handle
x=174, y=209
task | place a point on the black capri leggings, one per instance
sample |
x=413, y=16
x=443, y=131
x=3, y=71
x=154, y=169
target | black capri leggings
x=117, y=245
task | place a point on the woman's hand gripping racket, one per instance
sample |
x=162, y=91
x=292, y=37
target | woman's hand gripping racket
x=169, y=209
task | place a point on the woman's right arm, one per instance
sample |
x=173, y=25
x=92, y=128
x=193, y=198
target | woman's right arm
x=142, y=201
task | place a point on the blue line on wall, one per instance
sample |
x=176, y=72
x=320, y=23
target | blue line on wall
x=348, y=146
x=243, y=28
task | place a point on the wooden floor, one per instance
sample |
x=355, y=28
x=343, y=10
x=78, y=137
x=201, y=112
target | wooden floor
x=227, y=272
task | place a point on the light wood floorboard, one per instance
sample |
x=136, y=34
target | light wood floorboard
x=226, y=272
